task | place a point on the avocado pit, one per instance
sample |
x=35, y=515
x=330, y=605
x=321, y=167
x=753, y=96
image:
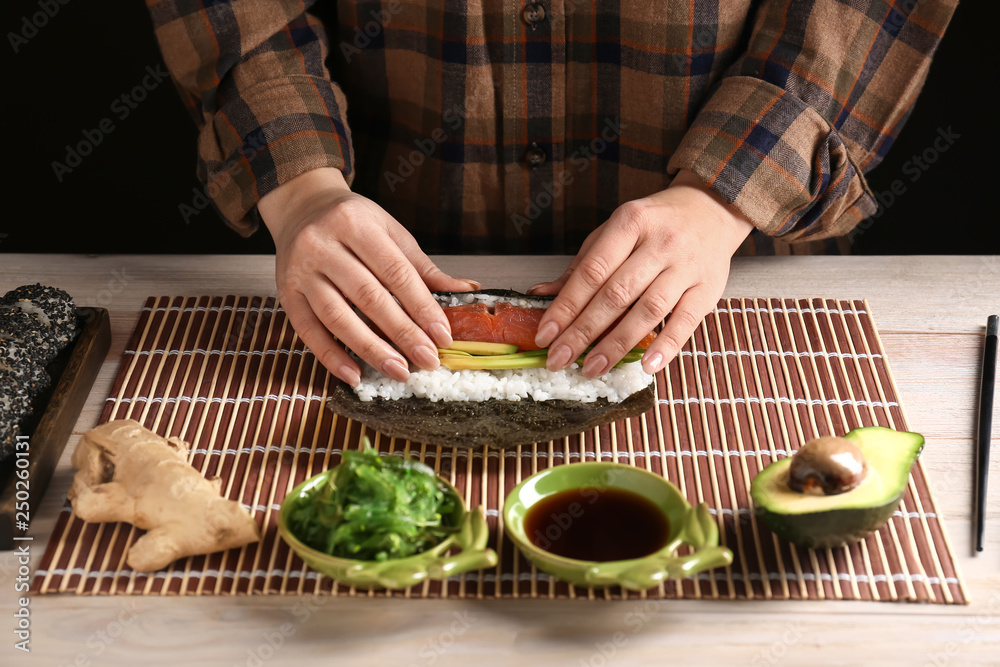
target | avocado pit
x=827, y=466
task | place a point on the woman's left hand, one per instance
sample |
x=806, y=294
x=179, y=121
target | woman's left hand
x=668, y=254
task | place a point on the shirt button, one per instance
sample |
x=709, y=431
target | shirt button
x=533, y=14
x=535, y=156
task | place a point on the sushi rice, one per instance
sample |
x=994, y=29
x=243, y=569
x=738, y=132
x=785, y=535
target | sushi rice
x=537, y=384
x=453, y=299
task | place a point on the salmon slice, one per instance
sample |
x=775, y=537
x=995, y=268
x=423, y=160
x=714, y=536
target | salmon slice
x=473, y=322
x=508, y=323
x=517, y=326
x=646, y=341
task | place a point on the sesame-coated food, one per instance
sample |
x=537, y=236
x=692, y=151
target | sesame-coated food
x=19, y=326
x=36, y=323
x=49, y=305
x=14, y=351
x=17, y=359
x=9, y=430
x=15, y=399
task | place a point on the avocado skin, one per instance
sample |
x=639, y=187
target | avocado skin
x=831, y=528
x=838, y=526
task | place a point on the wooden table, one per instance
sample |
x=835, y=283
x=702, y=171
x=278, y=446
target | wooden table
x=931, y=312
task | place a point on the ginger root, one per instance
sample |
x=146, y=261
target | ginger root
x=128, y=473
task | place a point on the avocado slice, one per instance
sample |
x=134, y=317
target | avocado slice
x=479, y=348
x=818, y=521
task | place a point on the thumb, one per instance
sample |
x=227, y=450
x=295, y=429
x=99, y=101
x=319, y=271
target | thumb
x=547, y=289
x=439, y=281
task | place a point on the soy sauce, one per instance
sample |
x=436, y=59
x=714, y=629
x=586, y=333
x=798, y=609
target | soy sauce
x=597, y=524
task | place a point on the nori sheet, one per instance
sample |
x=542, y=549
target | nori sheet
x=477, y=425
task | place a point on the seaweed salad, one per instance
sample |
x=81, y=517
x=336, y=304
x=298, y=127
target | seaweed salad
x=376, y=508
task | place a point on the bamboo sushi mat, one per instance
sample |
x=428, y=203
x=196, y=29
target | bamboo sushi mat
x=759, y=377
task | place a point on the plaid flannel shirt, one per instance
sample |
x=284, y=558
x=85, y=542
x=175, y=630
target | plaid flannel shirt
x=518, y=128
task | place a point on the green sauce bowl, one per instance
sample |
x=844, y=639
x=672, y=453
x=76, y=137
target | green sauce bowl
x=435, y=563
x=693, y=526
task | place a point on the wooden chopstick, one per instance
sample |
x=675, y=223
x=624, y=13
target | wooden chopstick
x=985, y=424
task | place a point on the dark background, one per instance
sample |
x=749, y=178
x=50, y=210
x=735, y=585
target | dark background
x=124, y=197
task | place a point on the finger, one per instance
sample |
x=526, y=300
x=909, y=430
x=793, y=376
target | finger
x=318, y=339
x=371, y=284
x=432, y=318
x=649, y=311
x=681, y=323
x=596, y=266
x=336, y=314
x=433, y=277
x=370, y=293
x=630, y=282
x=547, y=289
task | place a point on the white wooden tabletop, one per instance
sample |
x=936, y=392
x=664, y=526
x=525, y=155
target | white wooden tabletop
x=931, y=313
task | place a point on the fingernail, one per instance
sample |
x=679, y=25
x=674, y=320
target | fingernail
x=535, y=286
x=395, y=369
x=349, y=375
x=652, y=363
x=439, y=334
x=425, y=357
x=559, y=358
x=594, y=365
x=546, y=334
x=473, y=284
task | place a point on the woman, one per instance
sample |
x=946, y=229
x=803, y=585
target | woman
x=654, y=140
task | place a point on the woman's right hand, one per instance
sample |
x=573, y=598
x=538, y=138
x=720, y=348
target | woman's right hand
x=335, y=248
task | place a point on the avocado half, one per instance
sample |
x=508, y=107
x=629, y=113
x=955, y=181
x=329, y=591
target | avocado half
x=818, y=521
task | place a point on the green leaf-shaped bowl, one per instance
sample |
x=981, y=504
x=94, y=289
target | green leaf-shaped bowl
x=435, y=563
x=693, y=526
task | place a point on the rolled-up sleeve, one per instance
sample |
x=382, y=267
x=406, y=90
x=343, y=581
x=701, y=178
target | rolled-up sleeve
x=252, y=74
x=816, y=101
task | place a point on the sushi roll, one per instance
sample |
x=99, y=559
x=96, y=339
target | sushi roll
x=49, y=306
x=15, y=399
x=9, y=430
x=19, y=361
x=29, y=333
x=495, y=357
x=492, y=387
x=36, y=322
